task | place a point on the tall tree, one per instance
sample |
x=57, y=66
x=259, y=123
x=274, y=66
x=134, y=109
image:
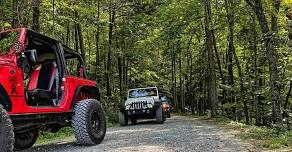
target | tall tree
x=212, y=88
x=288, y=14
x=36, y=15
x=181, y=95
x=272, y=54
x=80, y=39
x=112, y=11
x=97, y=56
x=15, y=19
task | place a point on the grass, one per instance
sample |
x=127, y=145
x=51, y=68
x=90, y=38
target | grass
x=45, y=137
x=271, y=138
x=267, y=138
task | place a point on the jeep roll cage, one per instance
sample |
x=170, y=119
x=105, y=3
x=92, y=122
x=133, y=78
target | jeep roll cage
x=70, y=54
x=67, y=52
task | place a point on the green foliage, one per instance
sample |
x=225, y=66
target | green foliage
x=162, y=43
x=111, y=108
x=45, y=136
x=272, y=138
x=7, y=40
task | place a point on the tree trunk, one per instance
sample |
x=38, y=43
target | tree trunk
x=89, y=48
x=36, y=15
x=242, y=91
x=126, y=63
x=212, y=90
x=181, y=83
x=68, y=35
x=189, y=97
x=287, y=96
x=97, y=57
x=15, y=20
x=75, y=38
x=175, y=89
x=217, y=55
x=1, y=16
x=272, y=54
x=289, y=18
x=173, y=76
x=109, y=55
x=231, y=49
x=53, y=27
x=256, y=73
x=120, y=68
x=80, y=38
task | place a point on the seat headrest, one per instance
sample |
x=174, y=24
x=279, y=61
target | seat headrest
x=32, y=56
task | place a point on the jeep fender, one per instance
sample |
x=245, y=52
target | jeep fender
x=4, y=99
x=91, y=90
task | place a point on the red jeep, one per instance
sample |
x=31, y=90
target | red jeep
x=44, y=86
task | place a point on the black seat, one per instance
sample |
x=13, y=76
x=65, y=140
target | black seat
x=42, y=82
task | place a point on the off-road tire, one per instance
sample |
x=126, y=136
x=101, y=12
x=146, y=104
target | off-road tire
x=89, y=122
x=159, y=116
x=133, y=120
x=123, y=119
x=6, y=131
x=25, y=140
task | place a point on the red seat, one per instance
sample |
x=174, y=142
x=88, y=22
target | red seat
x=42, y=81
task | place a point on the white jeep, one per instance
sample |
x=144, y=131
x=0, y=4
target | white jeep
x=141, y=103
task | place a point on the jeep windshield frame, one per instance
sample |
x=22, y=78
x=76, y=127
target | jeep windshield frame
x=143, y=92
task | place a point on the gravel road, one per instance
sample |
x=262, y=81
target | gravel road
x=177, y=134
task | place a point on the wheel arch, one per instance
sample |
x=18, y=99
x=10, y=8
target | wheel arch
x=4, y=99
x=91, y=91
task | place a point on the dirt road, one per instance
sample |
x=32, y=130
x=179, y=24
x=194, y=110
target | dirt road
x=178, y=134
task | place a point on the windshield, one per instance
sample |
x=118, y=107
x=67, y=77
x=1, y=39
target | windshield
x=147, y=92
x=7, y=39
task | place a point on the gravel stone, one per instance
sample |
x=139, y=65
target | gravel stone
x=177, y=134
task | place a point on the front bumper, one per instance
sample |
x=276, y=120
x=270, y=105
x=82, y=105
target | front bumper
x=140, y=111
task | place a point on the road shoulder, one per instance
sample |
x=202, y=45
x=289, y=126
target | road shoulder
x=260, y=137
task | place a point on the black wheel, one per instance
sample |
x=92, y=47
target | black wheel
x=25, y=140
x=89, y=122
x=160, y=116
x=6, y=131
x=133, y=120
x=123, y=119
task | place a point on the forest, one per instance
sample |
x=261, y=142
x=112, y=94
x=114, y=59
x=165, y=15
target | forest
x=231, y=58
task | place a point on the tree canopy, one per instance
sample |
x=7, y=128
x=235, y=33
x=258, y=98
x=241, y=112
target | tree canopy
x=232, y=57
